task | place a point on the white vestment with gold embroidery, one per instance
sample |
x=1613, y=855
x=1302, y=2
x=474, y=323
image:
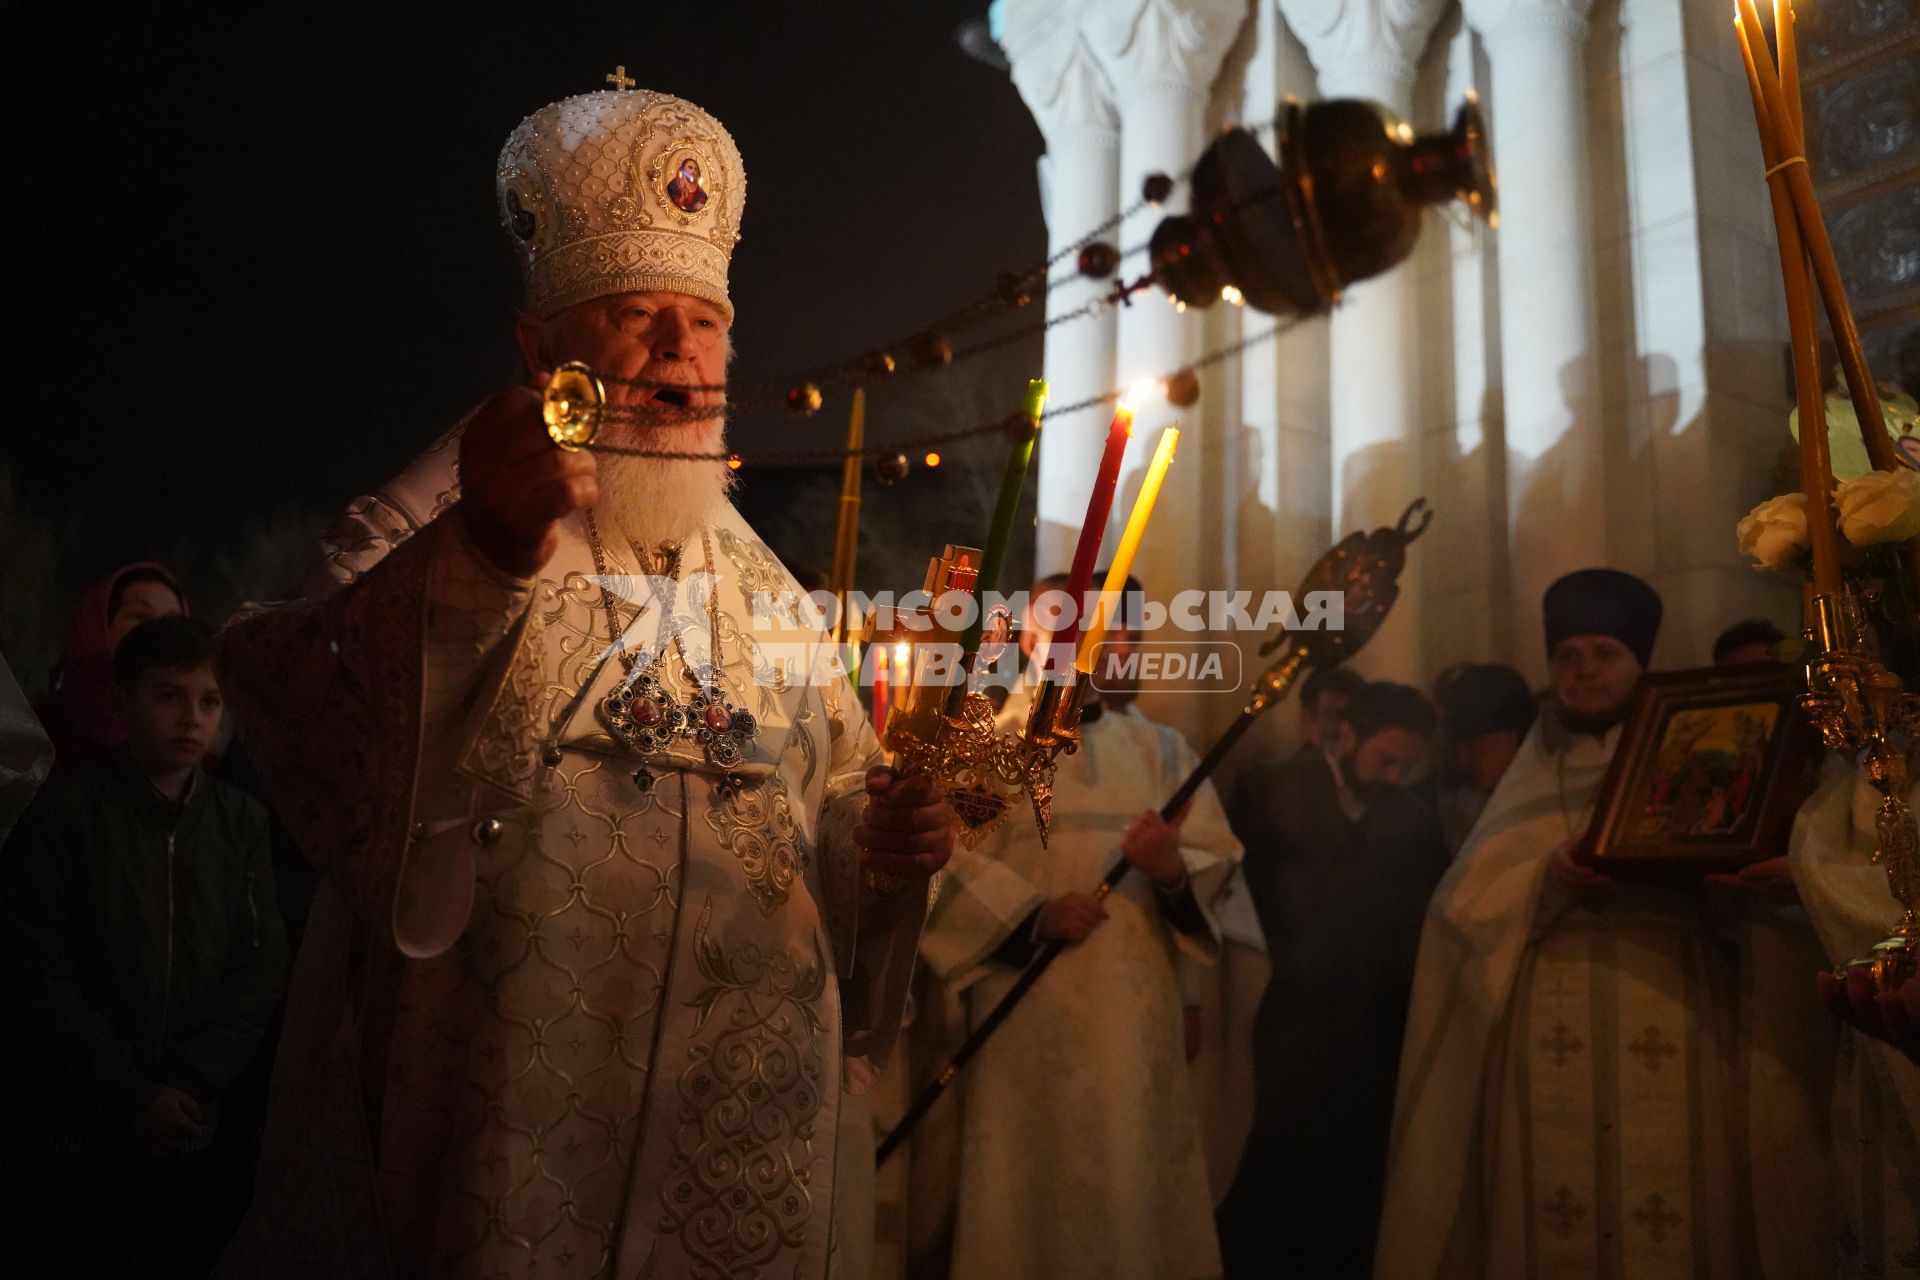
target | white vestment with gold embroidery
x=560, y=1021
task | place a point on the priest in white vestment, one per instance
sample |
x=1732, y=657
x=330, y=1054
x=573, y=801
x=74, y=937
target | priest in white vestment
x=1081, y=1151
x=1578, y=1093
x=611, y=885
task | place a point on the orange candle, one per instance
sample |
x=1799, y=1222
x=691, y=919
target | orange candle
x=1816, y=472
x=1789, y=163
x=1789, y=71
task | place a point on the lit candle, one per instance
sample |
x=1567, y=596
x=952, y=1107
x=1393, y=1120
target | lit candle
x=1816, y=476
x=882, y=653
x=1094, y=528
x=1129, y=544
x=993, y=560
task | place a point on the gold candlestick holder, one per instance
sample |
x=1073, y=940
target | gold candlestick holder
x=945, y=728
x=1859, y=706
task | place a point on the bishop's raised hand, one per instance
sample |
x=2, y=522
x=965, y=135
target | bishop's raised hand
x=516, y=485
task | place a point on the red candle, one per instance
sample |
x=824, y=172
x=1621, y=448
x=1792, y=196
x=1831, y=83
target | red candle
x=1093, y=529
x=882, y=654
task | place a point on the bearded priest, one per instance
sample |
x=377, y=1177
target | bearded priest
x=613, y=878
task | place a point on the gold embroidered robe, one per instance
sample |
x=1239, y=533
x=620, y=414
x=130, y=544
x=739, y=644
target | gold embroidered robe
x=1582, y=1092
x=547, y=1022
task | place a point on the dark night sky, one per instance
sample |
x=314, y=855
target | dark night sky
x=258, y=265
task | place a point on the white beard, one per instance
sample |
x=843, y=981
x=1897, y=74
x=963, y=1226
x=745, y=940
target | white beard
x=654, y=500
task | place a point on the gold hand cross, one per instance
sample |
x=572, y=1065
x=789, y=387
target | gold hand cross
x=619, y=78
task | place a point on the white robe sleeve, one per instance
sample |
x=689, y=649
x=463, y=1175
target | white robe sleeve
x=1207, y=845
x=982, y=901
x=472, y=607
x=876, y=959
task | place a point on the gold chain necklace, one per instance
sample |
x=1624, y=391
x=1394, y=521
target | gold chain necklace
x=643, y=715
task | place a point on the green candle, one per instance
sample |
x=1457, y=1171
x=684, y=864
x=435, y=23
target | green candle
x=994, y=558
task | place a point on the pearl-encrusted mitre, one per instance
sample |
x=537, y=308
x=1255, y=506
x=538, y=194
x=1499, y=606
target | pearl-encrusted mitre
x=621, y=191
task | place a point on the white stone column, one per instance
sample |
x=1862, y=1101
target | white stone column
x=1371, y=49
x=1555, y=444
x=1161, y=56
x=1277, y=483
x=1064, y=87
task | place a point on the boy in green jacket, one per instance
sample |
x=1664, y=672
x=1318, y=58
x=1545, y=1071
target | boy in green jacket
x=143, y=956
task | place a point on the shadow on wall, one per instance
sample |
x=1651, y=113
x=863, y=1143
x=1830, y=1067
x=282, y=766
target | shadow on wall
x=1274, y=551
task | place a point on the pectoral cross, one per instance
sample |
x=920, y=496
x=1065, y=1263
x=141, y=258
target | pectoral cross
x=619, y=79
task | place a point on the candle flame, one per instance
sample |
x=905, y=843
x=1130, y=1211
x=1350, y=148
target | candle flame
x=933, y=459
x=1230, y=294
x=901, y=652
x=1140, y=392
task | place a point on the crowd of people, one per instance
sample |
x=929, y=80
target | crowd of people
x=1443, y=1054
x=1427, y=931
x=583, y=943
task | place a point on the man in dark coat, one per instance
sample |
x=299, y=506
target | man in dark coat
x=1341, y=857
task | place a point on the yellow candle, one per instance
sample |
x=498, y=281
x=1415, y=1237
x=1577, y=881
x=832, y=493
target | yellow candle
x=1129, y=544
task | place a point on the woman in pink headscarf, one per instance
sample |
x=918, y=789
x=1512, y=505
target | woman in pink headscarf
x=80, y=715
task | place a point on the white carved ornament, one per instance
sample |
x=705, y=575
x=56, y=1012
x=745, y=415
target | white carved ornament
x=1056, y=73
x=1163, y=43
x=1383, y=37
x=1491, y=17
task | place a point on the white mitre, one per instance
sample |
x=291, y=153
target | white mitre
x=621, y=191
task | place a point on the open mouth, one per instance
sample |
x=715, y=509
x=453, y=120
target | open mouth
x=673, y=397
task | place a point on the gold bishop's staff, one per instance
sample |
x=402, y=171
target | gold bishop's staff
x=1364, y=568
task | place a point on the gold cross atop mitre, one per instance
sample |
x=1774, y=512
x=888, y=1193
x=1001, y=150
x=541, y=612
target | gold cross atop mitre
x=619, y=79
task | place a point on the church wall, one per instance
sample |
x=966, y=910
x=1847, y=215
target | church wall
x=1691, y=327
x=1462, y=561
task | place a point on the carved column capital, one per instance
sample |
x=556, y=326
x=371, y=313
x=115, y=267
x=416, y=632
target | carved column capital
x=1162, y=45
x=1056, y=72
x=1494, y=18
x=1365, y=40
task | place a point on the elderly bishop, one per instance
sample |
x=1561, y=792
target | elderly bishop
x=613, y=883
